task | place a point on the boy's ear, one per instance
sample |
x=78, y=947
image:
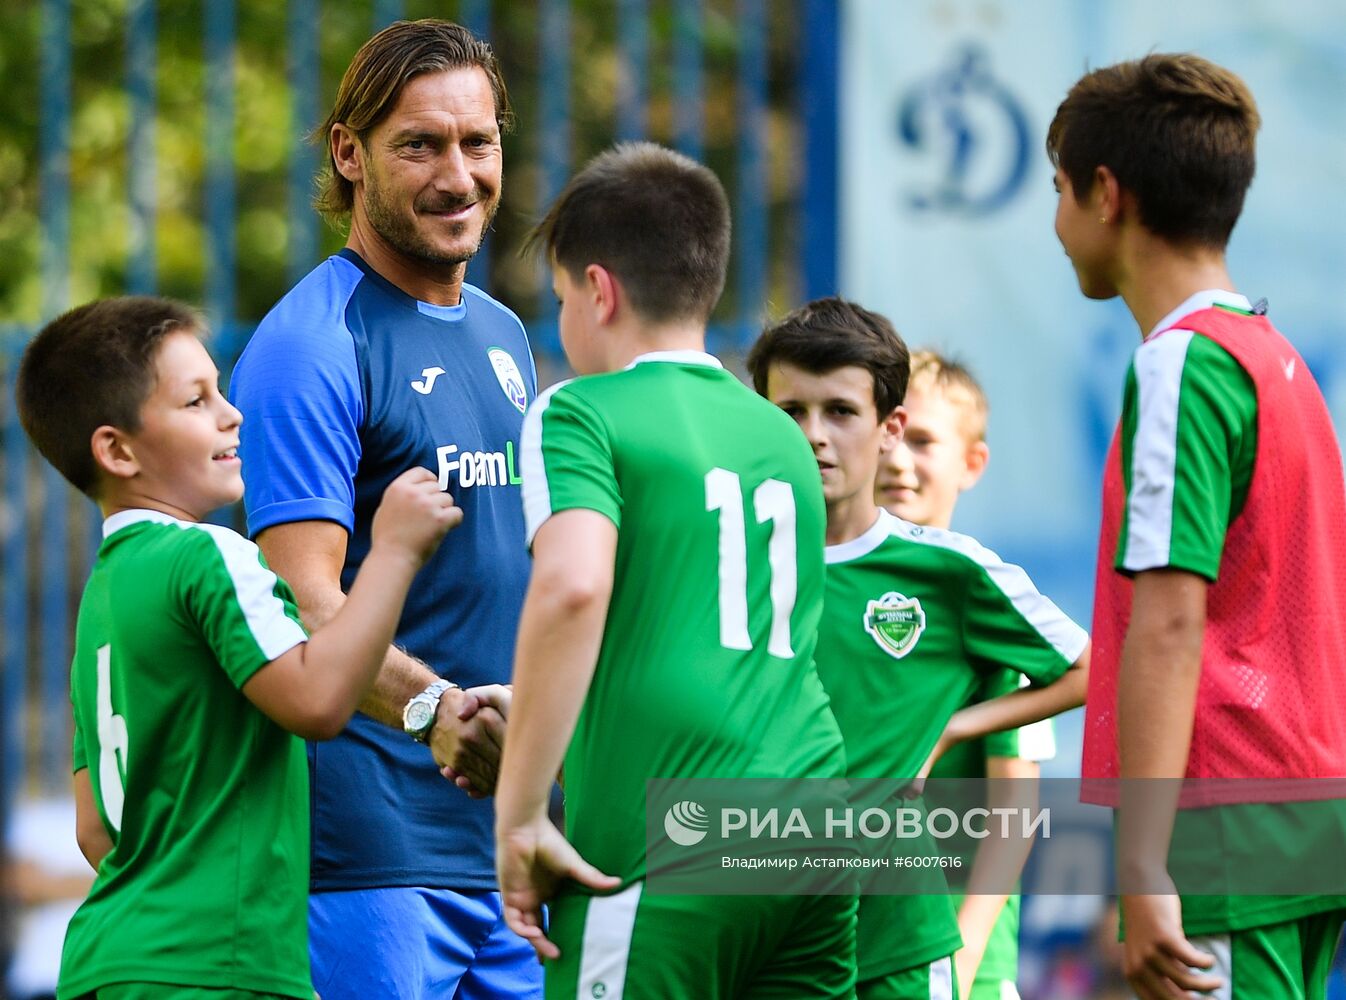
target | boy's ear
x=1106, y=195
x=604, y=292
x=978, y=454
x=113, y=452
x=893, y=426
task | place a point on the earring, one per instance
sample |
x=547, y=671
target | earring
x=1103, y=219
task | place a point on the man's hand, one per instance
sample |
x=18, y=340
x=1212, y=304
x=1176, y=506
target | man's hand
x=468, y=735
x=1158, y=960
x=530, y=863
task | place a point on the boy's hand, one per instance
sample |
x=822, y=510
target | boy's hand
x=916, y=787
x=1159, y=962
x=414, y=515
x=480, y=783
x=530, y=862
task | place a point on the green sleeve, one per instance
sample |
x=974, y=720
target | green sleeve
x=1010, y=626
x=567, y=459
x=1189, y=441
x=246, y=614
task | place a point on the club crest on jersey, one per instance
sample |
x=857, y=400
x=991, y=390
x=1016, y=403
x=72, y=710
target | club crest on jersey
x=510, y=378
x=896, y=623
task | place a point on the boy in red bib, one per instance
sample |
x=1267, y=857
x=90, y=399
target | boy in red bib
x=1218, y=649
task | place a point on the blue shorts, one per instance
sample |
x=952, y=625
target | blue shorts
x=417, y=944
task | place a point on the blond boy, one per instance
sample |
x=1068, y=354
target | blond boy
x=942, y=454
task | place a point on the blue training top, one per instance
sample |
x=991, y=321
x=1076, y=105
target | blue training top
x=347, y=383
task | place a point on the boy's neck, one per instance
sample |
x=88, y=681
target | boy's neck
x=115, y=501
x=850, y=518
x=1159, y=276
x=630, y=340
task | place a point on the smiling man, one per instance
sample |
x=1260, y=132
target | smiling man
x=380, y=360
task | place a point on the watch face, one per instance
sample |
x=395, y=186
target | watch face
x=419, y=716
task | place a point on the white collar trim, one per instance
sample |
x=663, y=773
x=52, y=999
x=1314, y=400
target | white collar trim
x=126, y=518
x=862, y=545
x=678, y=358
x=1206, y=299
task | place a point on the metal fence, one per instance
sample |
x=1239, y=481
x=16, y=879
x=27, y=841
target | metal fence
x=766, y=71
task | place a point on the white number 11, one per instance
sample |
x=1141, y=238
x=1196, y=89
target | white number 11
x=772, y=501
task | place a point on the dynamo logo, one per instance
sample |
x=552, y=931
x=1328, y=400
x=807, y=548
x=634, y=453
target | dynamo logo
x=686, y=823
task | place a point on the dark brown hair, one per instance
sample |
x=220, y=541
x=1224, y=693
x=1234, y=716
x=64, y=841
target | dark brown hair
x=656, y=219
x=374, y=81
x=1178, y=131
x=827, y=334
x=90, y=367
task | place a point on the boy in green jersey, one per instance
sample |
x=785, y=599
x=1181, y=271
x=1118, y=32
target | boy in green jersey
x=192, y=678
x=676, y=524
x=969, y=619
x=943, y=452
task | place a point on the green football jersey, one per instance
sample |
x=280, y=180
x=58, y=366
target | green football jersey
x=1189, y=425
x=706, y=665
x=204, y=797
x=915, y=622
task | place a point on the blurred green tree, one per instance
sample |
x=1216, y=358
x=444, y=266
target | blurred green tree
x=267, y=134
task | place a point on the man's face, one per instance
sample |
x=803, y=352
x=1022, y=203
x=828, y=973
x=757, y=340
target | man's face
x=432, y=169
x=1085, y=239
x=837, y=414
x=920, y=479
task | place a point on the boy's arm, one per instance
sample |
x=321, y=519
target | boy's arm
x=1156, y=705
x=999, y=861
x=95, y=843
x=314, y=687
x=309, y=556
x=1017, y=708
x=1187, y=463
x=560, y=633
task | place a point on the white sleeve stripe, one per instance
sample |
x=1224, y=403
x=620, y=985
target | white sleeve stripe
x=1049, y=621
x=274, y=631
x=1149, y=503
x=535, y=489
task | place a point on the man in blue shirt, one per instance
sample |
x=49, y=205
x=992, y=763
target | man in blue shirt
x=381, y=359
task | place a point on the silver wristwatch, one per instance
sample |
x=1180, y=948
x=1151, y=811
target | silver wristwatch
x=418, y=717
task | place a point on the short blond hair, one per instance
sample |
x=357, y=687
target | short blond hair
x=933, y=372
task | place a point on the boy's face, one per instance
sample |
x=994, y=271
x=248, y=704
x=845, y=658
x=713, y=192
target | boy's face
x=576, y=323
x=921, y=478
x=837, y=414
x=185, y=453
x=1086, y=240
